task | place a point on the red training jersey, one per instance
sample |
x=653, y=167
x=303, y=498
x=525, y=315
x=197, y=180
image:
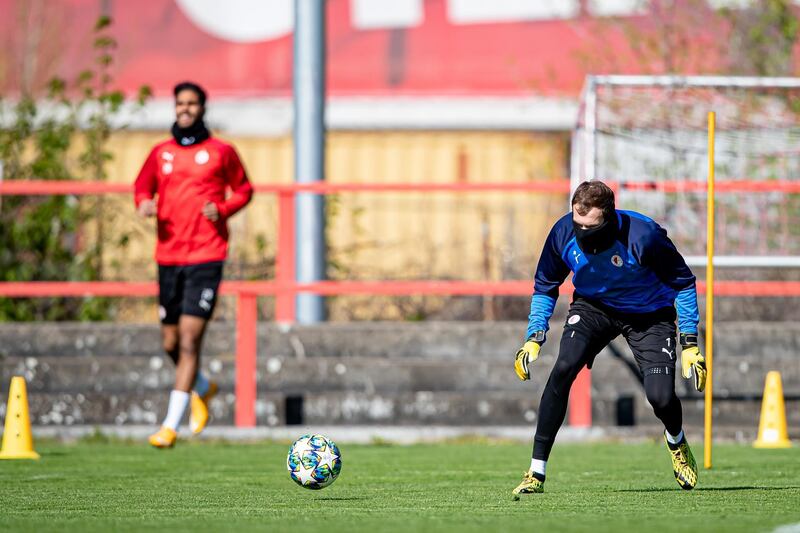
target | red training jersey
x=185, y=178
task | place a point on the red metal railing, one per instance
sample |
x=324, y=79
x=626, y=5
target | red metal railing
x=284, y=287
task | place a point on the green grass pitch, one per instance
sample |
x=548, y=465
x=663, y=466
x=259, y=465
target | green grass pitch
x=215, y=486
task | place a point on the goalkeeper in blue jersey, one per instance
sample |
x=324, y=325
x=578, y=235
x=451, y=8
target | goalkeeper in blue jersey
x=629, y=279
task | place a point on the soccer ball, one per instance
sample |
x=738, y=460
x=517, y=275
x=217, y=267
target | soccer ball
x=314, y=461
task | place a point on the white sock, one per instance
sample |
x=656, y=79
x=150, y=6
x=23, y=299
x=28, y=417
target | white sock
x=675, y=439
x=538, y=466
x=200, y=383
x=178, y=400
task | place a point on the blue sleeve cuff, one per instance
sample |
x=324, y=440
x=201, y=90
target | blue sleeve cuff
x=688, y=314
x=542, y=306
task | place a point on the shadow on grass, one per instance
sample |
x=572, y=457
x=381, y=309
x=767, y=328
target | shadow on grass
x=340, y=498
x=747, y=487
x=52, y=453
x=709, y=489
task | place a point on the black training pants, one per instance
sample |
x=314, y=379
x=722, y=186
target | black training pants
x=589, y=328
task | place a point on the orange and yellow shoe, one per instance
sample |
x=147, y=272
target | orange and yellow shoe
x=163, y=438
x=199, y=414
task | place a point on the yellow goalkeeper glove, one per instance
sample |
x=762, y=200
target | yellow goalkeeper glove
x=692, y=361
x=528, y=354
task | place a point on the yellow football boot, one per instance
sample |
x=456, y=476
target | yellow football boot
x=163, y=438
x=198, y=418
x=683, y=464
x=529, y=485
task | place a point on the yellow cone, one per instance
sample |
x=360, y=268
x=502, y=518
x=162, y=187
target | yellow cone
x=772, y=428
x=17, y=440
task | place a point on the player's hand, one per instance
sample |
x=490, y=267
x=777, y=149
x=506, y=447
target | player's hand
x=692, y=361
x=147, y=208
x=211, y=211
x=526, y=355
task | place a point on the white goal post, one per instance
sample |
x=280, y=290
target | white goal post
x=647, y=135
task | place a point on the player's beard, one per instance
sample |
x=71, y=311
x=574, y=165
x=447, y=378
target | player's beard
x=194, y=134
x=598, y=239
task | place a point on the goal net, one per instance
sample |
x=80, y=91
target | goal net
x=648, y=137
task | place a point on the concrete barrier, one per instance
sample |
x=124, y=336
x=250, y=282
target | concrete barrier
x=445, y=373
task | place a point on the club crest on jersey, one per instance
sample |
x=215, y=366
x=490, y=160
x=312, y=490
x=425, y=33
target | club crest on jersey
x=166, y=168
x=167, y=156
x=201, y=157
x=616, y=260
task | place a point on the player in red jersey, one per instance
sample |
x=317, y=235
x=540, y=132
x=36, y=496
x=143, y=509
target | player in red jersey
x=183, y=183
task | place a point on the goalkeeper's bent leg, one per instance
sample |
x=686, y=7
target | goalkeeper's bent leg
x=573, y=354
x=659, y=387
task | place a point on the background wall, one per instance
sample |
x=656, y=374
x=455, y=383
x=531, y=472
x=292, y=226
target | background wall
x=450, y=373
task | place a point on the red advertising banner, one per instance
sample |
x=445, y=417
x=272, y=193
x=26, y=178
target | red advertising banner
x=374, y=47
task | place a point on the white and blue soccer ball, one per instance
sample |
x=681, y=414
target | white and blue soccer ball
x=314, y=461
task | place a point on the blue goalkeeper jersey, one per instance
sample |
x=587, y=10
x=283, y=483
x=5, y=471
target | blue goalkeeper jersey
x=640, y=273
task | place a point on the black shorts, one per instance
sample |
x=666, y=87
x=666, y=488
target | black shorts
x=651, y=336
x=188, y=290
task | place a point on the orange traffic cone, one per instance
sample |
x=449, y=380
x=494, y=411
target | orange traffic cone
x=17, y=440
x=772, y=428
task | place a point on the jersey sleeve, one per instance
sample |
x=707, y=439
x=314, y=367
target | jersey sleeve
x=688, y=313
x=542, y=306
x=146, y=184
x=241, y=189
x=668, y=264
x=550, y=274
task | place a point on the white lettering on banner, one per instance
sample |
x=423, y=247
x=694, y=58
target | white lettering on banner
x=241, y=21
x=731, y=4
x=247, y=21
x=482, y=11
x=372, y=14
x=617, y=8
x=738, y=4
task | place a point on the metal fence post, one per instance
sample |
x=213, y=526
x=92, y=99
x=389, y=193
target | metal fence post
x=285, y=258
x=580, y=400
